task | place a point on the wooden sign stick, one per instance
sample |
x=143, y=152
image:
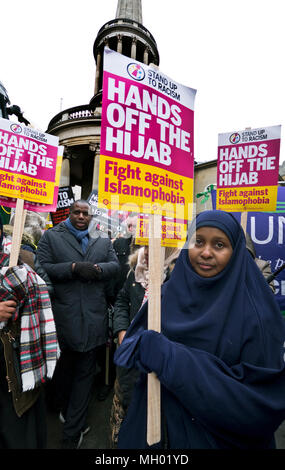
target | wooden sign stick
x=17, y=233
x=243, y=221
x=154, y=323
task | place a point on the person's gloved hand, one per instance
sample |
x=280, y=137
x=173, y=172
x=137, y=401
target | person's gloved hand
x=147, y=351
x=87, y=271
x=154, y=351
x=126, y=354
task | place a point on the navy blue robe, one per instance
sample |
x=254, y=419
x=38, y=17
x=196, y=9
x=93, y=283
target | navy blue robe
x=219, y=356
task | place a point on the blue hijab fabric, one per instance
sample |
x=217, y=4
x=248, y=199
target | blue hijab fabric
x=219, y=356
x=82, y=236
x=218, y=219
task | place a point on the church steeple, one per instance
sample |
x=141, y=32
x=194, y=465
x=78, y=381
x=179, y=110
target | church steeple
x=130, y=9
x=79, y=127
x=126, y=35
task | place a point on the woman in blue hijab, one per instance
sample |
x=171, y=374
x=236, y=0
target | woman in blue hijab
x=220, y=354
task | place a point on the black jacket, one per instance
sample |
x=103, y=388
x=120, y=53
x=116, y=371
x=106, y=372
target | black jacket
x=122, y=247
x=128, y=303
x=130, y=297
x=79, y=307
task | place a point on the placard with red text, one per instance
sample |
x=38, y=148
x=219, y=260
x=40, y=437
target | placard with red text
x=248, y=170
x=147, y=145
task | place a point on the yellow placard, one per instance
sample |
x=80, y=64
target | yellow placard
x=173, y=233
x=58, y=169
x=247, y=199
x=150, y=190
x=26, y=187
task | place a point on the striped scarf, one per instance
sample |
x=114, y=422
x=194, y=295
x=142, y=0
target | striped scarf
x=39, y=348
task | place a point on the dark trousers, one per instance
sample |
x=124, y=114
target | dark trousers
x=27, y=432
x=75, y=377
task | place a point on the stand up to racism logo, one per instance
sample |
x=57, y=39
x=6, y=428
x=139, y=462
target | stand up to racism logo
x=136, y=71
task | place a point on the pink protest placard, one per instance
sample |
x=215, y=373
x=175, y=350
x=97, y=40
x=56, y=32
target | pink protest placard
x=146, y=127
x=27, y=152
x=28, y=163
x=248, y=169
x=147, y=144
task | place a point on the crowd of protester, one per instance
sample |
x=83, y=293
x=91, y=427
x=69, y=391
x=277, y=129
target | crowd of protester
x=75, y=294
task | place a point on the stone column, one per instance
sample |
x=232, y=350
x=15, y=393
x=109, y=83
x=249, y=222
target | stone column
x=119, y=44
x=145, y=56
x=134, y=48
x=97, y=74
x=64, y=179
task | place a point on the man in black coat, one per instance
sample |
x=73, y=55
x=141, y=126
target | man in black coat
x=79, y=267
